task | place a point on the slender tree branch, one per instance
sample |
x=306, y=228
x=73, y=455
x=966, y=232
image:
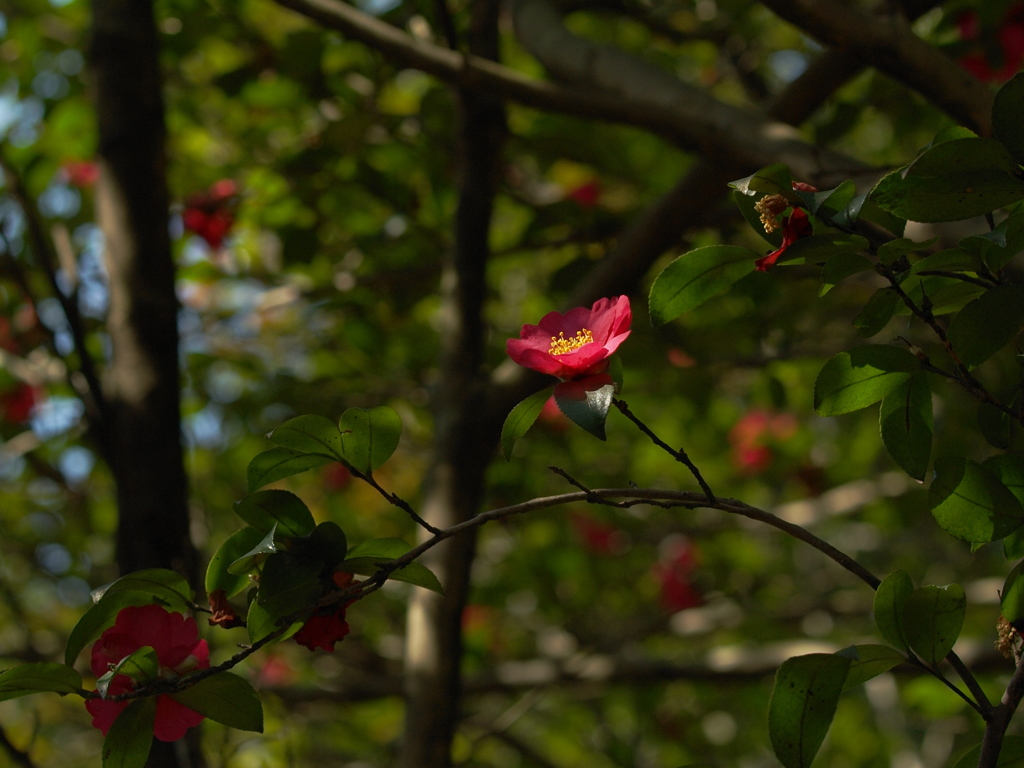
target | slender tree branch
x=679, y=455
x=888, y=44
x=93, y=398
x=681, y=113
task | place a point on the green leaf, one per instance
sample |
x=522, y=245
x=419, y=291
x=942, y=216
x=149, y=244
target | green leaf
x=864, y=375
x=140, y=665
x=279, y=463
x=934, y=617
x=586, y=401
x=954, y=180
x=970, y=503
x=906, y=421
x=521, y=418
x=951, y=260
x=259, y=622
x=235, y=547
x=803, y=704
x=1011, y=603
x=370, y=436
x=869, y=661
x=225, y=698
x=987, y=324
x=877, y=312
x=156, y=585
x=1006, y=111
x=327, y=544
x=289, y=584
x=310, y=434
x=829, y=202
x=695, y=277
x=894, y=249
x=1011, y=755
x=38, y=677
x=265, y=509
x=773, y=179
x=890, y=600
x=251, y=559
x=840, y=267
x=131, y=736
x=365, y=558
x=823, y=246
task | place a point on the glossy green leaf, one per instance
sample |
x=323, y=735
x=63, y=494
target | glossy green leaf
x=38, y=677
x=803, y=704
x=140, y=665
x=310, y=434
x=695, y=277
x=894, y=249
x=265, y=509
x=818, y=248
x=987, y=324
x=840, y=267
x=370, y=436
x=227, y=699
x=255, y=556
x=327, y=544
x=1006, y=111
x=954, y=180
x=934, y=617
x=863, y=376
x=774, y=179
x=829, y=202
x=365, y=558
x=156, y=585
x=129, y=739
x=235, y=547
x=279, y=463
x=906, y=423
x=520, y=419
x=970, y=503
x=260, y=623
x=890, y=600
x=586, y=401
x=1011, y=597
x=869, y=661
x=288, y=583
x=877, y=312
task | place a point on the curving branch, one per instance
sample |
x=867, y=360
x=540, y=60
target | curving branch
x=888, y=44
x=680, y=113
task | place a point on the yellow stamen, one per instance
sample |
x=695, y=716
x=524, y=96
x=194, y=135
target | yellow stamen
x=563, y=346
x=769, y=207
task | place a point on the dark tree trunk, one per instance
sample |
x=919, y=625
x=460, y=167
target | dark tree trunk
x=464, y=443
x=140, y=435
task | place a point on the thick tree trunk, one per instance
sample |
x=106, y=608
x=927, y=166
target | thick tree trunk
x=141, y=435
x=463, y=443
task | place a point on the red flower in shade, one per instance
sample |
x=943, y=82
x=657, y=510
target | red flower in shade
x=587, y=194
x=1008, y=39
x=210, y=214
x=597, y=536
x=576, y=344
x=794, y=227
x=327, y=625
x=323, y=629
x=179, y=650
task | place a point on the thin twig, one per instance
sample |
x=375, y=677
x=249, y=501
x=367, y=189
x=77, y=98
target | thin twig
x=678, y=455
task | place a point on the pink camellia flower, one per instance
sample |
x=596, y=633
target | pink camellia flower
x=179, y=650
x=323, y=629
x=576, y=344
